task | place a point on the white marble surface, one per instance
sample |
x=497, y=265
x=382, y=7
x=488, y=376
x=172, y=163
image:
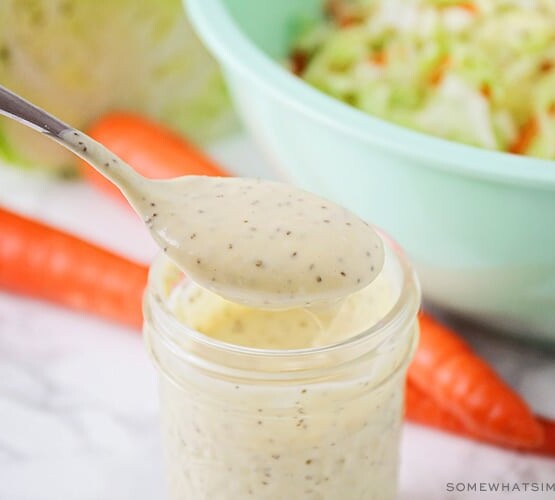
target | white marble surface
x=78, y=403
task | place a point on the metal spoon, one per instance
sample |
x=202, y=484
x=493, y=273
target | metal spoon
x=256, y=242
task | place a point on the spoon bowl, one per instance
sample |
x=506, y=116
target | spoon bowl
x=260, y=243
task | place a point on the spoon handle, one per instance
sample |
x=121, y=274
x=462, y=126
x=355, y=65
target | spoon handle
x=109, y=165
x=24, y=112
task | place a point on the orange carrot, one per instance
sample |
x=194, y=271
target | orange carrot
x=438, y=72
x=341, y=13
x=485, y=90
x=525, y=136
x=470, y=7
x=43, y=262
x=150, y=148
x=378, y=58
x=548, y=446
x=422, y=409
x=299, y=62
x=445, y=368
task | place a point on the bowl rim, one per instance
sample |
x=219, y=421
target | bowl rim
x=216, y=27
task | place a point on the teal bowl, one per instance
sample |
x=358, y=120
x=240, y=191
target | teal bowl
x=478, y=225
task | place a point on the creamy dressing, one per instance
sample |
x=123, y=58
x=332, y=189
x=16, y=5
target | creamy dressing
x=270, y=267
x=297, y=328
x=254, y=242
x=313, y=435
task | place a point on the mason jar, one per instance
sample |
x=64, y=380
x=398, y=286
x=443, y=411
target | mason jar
x=296, y=424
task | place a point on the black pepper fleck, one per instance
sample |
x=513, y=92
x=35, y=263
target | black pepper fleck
x=288, y=233
x=259, y=263
x=343, y=273
x=294, y=254
x=193, y=236
x=319, y=279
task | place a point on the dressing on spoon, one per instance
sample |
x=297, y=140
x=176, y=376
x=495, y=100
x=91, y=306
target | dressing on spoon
x=259, y=243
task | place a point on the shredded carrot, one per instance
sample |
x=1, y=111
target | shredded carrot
x=546, y=66
x=379, y=58
x=438, y=72
x=468, y=6
x=299, y=61
x=485, y=90
x=525, y=136
x=339, y=11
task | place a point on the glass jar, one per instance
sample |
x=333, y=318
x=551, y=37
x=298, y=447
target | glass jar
x=315, y=423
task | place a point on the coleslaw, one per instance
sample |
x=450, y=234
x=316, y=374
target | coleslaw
x=479, y=72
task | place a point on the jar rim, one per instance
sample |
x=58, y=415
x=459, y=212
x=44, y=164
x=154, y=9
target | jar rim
x=405, y=307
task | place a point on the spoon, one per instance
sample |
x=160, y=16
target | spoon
x=260, y=243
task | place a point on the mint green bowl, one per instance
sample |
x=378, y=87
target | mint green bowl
x=478, y=225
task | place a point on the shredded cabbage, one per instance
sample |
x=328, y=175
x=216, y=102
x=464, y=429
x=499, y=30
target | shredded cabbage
x=81, y=58
x=478, y=72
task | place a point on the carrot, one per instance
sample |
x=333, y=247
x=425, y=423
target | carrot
x=438, y=72
x=299, y=62
x=485, y=90
x=423, y=410
x=548, y=446
x=341, y=13
x=446, y=369
x=150, y=148
x=525, y=137
x=470, y=7
x=43, y=262
x=379, y=58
